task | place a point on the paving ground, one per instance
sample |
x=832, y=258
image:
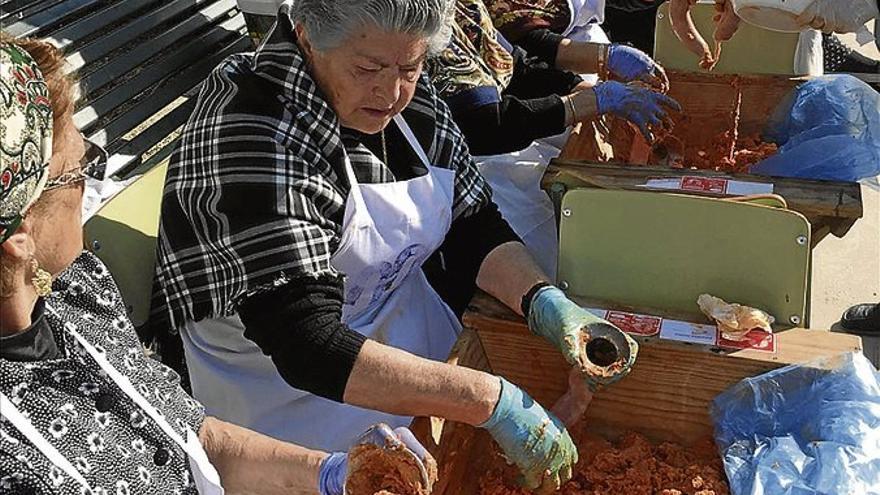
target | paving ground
x=847, y=271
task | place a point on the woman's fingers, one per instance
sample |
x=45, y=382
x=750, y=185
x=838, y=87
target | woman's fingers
x=668, y=102
x=550, y=484
x=408, y=439
x=660, y=74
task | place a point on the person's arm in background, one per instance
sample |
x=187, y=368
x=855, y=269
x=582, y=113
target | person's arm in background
x=840, y=16
x=542, y=101
x=619, y=62
x=530, y=108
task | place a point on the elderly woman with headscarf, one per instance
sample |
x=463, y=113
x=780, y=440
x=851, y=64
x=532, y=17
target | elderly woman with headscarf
x=314, y=180
x=84, y=410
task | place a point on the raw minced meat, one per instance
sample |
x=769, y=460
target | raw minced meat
x=632, y=466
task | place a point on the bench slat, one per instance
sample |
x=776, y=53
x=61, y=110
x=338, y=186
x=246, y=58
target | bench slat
x=38, y=24
x=153, y=74
x=126, y=161
x=85, y=26
x=20, y=9
x=108, y=42
x=139, y=63
x=164, y=94
x=97, y=77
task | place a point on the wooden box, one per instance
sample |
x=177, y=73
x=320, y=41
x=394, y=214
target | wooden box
x=666, y=397
x=611, y=154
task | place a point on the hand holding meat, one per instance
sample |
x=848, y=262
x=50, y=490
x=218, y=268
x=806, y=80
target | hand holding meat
x=645, y=108
x=533, y=439
x=627, y=64
x=404, y=453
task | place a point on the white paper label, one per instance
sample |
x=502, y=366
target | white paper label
x=688, y=332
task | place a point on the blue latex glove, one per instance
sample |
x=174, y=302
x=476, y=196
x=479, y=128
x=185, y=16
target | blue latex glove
x=533, y=439
x=333, y=472
x=627, y=64
x=331, y=476
x=641, y=106
x=603, y=352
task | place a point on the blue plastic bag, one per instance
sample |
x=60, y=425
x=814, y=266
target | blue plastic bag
x=829, y=128
x=803, y=429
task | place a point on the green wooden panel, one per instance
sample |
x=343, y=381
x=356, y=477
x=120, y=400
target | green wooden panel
x=752, y=50
x=124, y=234
x=661, y=251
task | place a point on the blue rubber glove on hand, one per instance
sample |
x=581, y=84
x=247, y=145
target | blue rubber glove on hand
x=602, y=352
x=642, y=107
x=533, y=439
x=334, y=473
x=627, y=64
x=331, y=476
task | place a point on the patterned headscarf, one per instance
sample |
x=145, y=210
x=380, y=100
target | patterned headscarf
x=476, y=57
x=25, y=135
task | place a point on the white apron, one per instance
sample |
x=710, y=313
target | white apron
x=389, y=230
x=516, y=189
x=205, y=476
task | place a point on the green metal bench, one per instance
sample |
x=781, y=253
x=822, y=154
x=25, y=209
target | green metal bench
x=139, y=64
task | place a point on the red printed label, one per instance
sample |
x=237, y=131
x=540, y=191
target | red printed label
x=756, y=340
x=643, y=325
x=704, y=184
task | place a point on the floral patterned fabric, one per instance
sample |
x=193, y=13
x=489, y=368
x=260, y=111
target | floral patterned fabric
x=475, y=58
x=25, y=135
x=118, y=449
x=515, y=18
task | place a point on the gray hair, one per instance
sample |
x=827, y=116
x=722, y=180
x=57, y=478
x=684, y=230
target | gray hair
x=330, y=22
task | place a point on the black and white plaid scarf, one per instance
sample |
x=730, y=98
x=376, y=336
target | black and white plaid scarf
x=255, y=192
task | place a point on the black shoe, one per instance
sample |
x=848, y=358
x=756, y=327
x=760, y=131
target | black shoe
x=863, y=318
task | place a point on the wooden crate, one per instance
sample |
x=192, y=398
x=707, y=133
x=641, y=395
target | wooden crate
x=611, y=154
x=666, y=397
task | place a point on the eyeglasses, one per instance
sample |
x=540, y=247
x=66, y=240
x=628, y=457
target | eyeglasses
x=93, y=164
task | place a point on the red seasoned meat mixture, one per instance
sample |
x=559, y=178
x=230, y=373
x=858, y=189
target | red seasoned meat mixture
x=631, y=466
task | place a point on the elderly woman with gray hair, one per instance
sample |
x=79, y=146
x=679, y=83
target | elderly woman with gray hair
x=296, y=223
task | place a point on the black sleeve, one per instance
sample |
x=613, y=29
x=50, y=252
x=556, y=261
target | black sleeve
x=633, y=5
x=530, y=109
x=299, y=326
x=535, y=78
x=452, y=270
x=510, y=125
x=542, y=44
